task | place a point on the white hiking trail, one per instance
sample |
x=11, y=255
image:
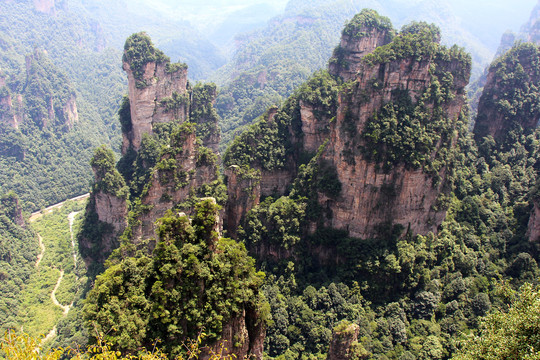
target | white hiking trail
x=64, y=308
x=42, y=247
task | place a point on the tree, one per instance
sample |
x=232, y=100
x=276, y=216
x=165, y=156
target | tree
x=510, y=334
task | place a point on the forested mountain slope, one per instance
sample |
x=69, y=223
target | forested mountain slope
x=379, y=225
x=383, y=226
x=271, y=62
x=69, y=42
x=60, y=94
x=412, y=284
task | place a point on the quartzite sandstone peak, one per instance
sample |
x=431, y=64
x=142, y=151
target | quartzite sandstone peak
x=406, y=195
x=379, y=75
x=508, y=101
x=157, y=89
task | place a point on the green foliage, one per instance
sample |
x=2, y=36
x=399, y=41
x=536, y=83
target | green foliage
x=144, y=298
x=124, y=115
x=45, y=160
x=273, y=222
x=108, y=179
x=48, y=89
x=268, y=144
x=318, y=176
x=18, y=250
x=368, y=20
x=175, y=102
x=203, y=113
x=271, y=63
x=23, y=346
x=175, y=67
x=139, y=51
x=417, y=41
x=37, y=313
x=509, y=333
x=516, y=79
x=418, y=134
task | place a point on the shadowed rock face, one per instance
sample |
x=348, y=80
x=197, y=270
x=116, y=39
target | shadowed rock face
x=159, y=97
x=111, y=210
x=342, y=343
x=506, y=102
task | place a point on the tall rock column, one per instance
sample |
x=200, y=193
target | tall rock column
x=393, y=132
x=107, y=209
x=157, y=89
x=344, y=343
x=510, y=97
x=363, y=34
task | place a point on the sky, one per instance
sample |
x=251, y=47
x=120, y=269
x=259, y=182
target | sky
x=208, y=13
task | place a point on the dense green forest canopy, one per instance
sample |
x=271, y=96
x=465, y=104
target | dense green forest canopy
x=411, y=296
x=193, y=279
x=49, y=64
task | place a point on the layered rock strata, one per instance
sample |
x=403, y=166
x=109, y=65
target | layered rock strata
x=159, y=96
x=176, y=176
x=369, y=195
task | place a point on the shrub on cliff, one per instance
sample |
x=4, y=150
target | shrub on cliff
x=139, y=51
x=108, y=179
x=193, y=279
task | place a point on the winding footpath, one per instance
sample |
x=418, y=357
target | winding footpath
x=71, y=218
x=42, y=247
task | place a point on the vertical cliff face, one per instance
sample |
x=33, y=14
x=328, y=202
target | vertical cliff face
x=10, y=109
x=169, y=132
x=157, y=89
x=532, y=28
x=70, y=112
x=10, y=206
x=533, y=231
x=342, y=344
x=244, y=192
x=111, y=209
x=242, y=338
x=363, y=34
x=48, y=97
x=107, y=210
x=377, y=186
x=179, y=174
x=508, y=102
x=202, y=113
x=383, y=125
